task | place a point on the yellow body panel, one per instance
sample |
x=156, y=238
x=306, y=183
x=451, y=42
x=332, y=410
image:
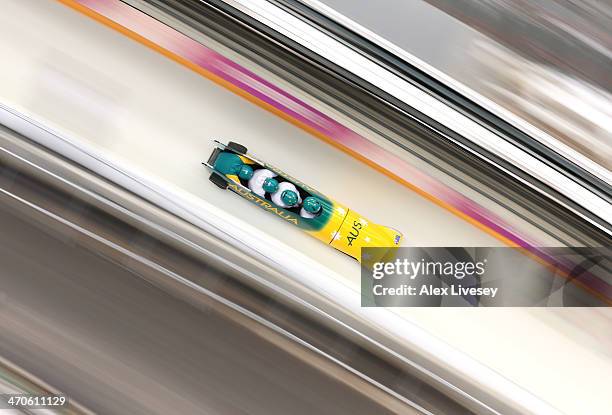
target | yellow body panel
x=357, y=232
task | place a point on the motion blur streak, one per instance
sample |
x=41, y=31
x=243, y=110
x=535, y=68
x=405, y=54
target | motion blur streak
x=104, y=324
x=542, y=64
x=121, y=345
x=14, y=380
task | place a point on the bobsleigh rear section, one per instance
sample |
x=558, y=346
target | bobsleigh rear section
x=295, y=202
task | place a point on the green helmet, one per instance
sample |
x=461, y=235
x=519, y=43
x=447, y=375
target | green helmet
x=245, y=172
x=270, y=185
x=289, y=197
x=312, y=204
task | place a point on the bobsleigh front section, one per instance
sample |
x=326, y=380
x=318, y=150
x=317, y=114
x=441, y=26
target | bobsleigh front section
x=224, y=163
x=334, y=224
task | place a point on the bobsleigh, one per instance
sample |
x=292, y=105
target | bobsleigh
x=296, y=203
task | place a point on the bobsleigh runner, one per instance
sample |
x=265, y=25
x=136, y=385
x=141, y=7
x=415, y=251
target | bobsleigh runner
x=293, y=201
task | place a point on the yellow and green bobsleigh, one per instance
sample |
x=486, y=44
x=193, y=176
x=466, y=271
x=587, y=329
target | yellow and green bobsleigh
x=332, y=223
